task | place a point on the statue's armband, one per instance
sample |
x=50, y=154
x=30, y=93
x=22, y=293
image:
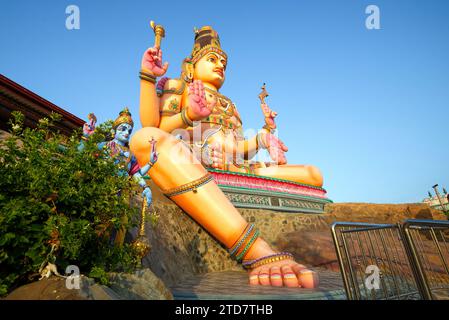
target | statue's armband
x=171, y=98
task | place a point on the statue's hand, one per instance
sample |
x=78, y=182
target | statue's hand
x=269, y=116
x=212, y=156
x=147, y=194
x=153, y=154
x=153, y=157
x=161, y=84
x=198, y=107
x=124, y=153
x=276, y=148
x=89, y=127
x=152, y=62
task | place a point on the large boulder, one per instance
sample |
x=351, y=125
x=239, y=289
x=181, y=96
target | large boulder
x=140, y=285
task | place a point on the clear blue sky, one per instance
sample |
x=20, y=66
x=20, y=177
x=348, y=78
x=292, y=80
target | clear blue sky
x=369, y=107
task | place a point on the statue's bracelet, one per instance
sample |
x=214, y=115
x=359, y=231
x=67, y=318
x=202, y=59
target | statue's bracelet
x=146, y=76
x=187, y=121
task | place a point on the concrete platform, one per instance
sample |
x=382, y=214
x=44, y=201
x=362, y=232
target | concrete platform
x=233, y=285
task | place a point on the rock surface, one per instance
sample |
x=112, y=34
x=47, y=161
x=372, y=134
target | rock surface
x=53, y=288
x=141, y=285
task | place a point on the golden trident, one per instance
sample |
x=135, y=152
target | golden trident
x=263, y=94
x=159, y=33
x=270, y=124
x=142, y=243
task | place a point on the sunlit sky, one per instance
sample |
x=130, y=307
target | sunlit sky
x=368, y=107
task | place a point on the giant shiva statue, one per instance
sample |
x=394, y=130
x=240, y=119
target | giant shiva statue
x=212, y=137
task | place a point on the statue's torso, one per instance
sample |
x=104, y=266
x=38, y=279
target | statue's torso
x=222, y=126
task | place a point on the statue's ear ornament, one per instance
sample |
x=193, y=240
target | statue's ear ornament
x=187, y=70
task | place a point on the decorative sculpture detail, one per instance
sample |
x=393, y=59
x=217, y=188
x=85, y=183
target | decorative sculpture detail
x=118, y=149
x=191, y=107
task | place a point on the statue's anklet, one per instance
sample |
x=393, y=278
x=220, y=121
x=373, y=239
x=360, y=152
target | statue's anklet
x=240, y=240
x=248, y=245
x=252, y=264
x=191, y=186
x=245, y=243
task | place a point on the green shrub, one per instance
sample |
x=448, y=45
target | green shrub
x=53, y=195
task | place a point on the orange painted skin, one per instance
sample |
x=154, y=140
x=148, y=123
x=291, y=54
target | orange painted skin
x=177, y=165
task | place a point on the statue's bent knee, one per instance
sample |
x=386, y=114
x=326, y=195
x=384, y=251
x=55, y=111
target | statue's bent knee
x=316, y=176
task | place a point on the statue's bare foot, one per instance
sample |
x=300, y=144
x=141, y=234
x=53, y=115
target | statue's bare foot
x=284, y=273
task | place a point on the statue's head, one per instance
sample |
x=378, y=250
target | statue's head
x=207, y=61
x=123, y=126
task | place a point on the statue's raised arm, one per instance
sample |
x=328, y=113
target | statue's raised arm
x=151, y=68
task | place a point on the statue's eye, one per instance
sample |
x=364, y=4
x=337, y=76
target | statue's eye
x=212, y=60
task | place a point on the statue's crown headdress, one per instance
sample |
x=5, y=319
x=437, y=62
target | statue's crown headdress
x=124, y=117
x=206, y=40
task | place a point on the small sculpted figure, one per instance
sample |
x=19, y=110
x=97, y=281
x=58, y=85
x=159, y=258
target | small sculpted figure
x=118, y=149
x=191, y=106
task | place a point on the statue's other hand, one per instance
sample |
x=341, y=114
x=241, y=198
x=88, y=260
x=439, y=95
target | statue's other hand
x=270, y=116
x=276, y=148
x=198, y=108
x=161, y=84
x=153, y=157
x=147, y=194
x=125, y=154
x=89, y=128
x=212, y=156
x=152, y=62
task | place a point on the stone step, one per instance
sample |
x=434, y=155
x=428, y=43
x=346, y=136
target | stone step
x=233, y=285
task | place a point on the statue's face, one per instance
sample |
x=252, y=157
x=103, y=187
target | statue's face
x=211, y=69
x=123, y=132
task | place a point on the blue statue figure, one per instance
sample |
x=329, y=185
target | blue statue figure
x=118, y=149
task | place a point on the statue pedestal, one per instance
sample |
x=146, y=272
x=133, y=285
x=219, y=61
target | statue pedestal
x=251, y=191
